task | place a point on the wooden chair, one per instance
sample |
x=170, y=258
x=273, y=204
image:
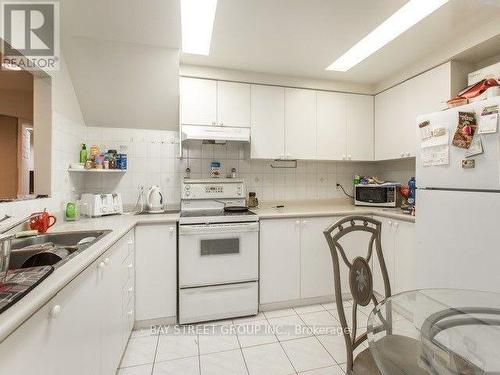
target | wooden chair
x=404, y=353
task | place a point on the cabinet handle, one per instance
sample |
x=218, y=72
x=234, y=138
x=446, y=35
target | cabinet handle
x=221, y=124
x=389, y=223
x=130, y=243
x=343, y=157
x=55, y=311
x=304, y=221
x=282, y=156
x=297, y=222
x=130, y=290
x=396, y=224
x=130, y=265
x=106, y=261
x=288, y=156
x=349, y=157
x=402, y=154
x=213, y=122
x=171, y=229
x=130, y=312
x=408, y=154
x=101, y=265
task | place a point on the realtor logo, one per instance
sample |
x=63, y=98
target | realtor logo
x=30, y=35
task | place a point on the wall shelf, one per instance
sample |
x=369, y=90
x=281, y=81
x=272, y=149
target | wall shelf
x=97, y=170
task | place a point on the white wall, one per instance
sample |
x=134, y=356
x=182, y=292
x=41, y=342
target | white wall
x=152, y=158
x=272, y=79
x=64, y=137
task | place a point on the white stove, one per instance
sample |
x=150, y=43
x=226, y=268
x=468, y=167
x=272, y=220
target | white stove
x=218, y=251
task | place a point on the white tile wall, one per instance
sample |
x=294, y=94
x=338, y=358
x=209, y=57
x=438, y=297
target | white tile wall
x=152, y=157
x=153, y=160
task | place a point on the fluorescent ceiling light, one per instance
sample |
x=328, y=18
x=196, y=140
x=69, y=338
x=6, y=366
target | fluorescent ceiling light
x=197, y=20
x=407, y=16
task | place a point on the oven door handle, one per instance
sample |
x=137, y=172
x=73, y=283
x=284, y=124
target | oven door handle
x=218, y=228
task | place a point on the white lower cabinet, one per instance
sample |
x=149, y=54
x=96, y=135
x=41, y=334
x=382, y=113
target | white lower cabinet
x=398, y=248
x=296, y=263
x=279, y=260
x=295, y=260
x=80, y=330
x=156, y=271
x=404, y=257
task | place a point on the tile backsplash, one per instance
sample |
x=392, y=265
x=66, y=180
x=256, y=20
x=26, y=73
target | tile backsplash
x=153, y=160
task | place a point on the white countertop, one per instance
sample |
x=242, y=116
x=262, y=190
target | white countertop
x=14, y=316
x=331, y=207
x=120, y=225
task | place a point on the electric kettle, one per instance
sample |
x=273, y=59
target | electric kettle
x=154, y=200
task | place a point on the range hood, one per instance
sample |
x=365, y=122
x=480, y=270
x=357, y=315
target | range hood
x=216, y=134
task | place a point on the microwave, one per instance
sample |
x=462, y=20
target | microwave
x=377, y=195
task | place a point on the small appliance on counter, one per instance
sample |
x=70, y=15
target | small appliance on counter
x=154, y=200
x=376, y=195
x=96, y=205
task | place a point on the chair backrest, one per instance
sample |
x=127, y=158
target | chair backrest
x=360, y=273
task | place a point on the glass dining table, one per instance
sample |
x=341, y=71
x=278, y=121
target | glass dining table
x=455, y=331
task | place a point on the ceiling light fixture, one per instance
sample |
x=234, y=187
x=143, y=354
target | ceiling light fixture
x=404, y=18
x=197, y=21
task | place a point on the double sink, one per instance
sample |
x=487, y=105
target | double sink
x=73, y=243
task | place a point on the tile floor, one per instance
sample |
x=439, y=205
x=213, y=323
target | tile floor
x=304, y=340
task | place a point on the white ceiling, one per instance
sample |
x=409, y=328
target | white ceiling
x=123, y=59
x=302, y=37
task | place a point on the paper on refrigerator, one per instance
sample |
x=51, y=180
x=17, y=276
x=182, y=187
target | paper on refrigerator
x=436, y=149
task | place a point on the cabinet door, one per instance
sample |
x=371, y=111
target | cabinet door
x=388, y=243
x=279, y=260
x=30, y=349
x=316, y=267
x=233, y=105
x=360, y=127
x=404, y=255
x=198, y=101
x=331, y=126
x=78, y=325
x=110, y=292
x=155, y=271
x=425, y=93
x=268, y=122
x=300, y=124
x=389, y=110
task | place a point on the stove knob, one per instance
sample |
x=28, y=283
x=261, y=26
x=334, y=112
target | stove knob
x=187, y=193
x=103, y=209
x=187, y=187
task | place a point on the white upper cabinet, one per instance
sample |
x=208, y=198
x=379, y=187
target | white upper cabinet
x=217, y=103
x=397, y=108
x=359, y=119
x=233, y=107
x=331, y=126
x=268, y=122
x=300, y=124
x=198, y=101
x=388, y=112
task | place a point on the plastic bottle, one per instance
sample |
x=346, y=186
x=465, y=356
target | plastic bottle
x=83, y=153
x=413, y=187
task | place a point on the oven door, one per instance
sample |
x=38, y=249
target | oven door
x=218, y=253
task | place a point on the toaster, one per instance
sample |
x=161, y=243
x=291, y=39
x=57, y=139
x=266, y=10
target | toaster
x=95, y=205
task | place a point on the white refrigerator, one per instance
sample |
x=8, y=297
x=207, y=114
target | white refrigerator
x=457, y=209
